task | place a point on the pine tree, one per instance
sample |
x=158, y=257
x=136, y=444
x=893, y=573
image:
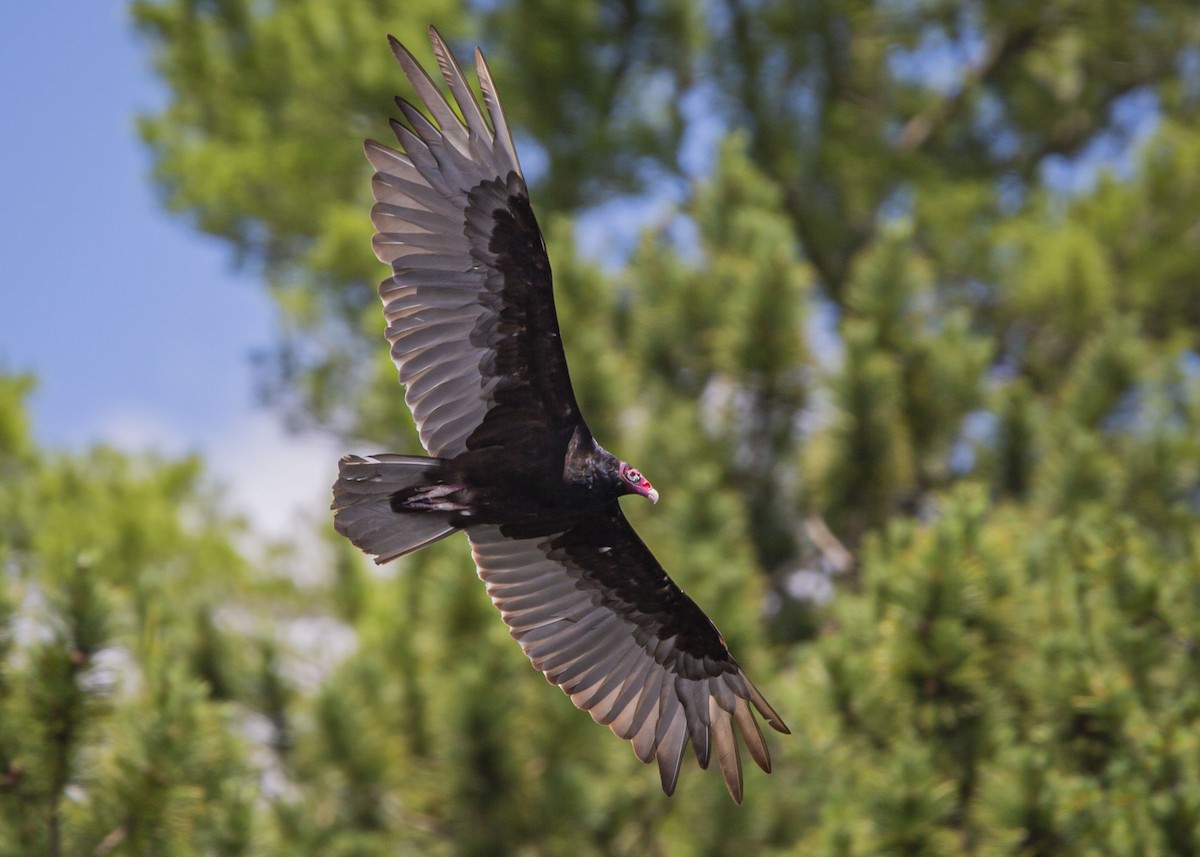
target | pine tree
x=119, y=733
x=873, y=306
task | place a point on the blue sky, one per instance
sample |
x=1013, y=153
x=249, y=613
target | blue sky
x=137, y=327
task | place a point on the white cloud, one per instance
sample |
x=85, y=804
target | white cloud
x=135, y=430
x=279, y=481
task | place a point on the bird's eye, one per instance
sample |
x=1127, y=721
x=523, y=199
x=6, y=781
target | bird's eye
x=634, y=477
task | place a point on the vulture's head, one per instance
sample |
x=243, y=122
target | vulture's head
x=633, y=482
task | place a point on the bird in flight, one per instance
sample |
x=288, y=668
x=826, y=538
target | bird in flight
x=473, y=331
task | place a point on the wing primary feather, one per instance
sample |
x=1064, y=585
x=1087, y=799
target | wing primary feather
x=421, y=126
x=385, y=159
x=426, y=89
x=672, y=739
x=499, y=122
x=722, y=694
x=729, y=759
x=458, y=85
x=455, y=165
x=752, y=735
x=765, y=709
x=422, y=158
x=695, y=708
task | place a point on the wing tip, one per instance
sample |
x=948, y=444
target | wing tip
x=435, y=39
x=768, y=713
x=399, y=51
x=668, y=770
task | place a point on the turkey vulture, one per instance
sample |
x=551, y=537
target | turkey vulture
x=471, y=322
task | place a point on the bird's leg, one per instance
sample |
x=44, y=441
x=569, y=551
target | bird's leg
x=429, y=498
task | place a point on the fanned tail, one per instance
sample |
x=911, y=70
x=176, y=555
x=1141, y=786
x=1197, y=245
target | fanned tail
x=362, y=505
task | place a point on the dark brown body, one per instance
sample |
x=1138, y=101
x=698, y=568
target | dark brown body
x=535, y=493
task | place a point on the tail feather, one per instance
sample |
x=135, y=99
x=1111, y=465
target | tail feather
x=362, y=509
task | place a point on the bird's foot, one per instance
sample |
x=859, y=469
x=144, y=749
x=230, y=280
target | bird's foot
x=430, y=498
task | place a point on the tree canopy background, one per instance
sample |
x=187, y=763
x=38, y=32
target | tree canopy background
x=916, y=279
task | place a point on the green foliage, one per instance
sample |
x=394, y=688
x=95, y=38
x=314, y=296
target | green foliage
x=120, y=709
x=1016, y=693
x=874, y=307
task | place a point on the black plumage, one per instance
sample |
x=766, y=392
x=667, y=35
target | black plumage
x=475, y=336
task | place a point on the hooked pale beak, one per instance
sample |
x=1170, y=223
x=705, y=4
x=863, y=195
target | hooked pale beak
x=636, y=483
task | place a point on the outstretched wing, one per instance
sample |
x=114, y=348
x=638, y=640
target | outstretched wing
x=469, y=305
x=595, y=612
